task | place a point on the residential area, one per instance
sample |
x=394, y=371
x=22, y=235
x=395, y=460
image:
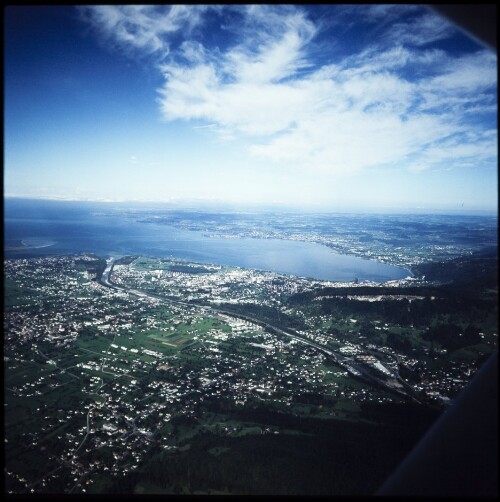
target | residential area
x=96, y=377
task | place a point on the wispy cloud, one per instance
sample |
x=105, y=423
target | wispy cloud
x=395, y=103
x=142, y=27
x=243, y=89
x=420, y=31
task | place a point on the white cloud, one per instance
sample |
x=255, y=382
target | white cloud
x=142, y=27
x=388, y=25
x=421, y=30
x=351, y=141
x=396, y=103
x=465, y=75
x=460, y=150
x=272, y=53
x=244, y=89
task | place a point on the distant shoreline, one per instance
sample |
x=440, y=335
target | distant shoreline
x=26, y=246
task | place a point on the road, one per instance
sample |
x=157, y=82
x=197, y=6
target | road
x=62, y=370
x=349, y=364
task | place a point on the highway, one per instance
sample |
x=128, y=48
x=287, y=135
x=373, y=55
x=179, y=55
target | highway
x=353, y=367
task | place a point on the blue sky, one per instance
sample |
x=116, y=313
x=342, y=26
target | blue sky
x=374, y=107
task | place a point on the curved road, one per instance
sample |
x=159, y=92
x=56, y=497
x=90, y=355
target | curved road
x=345, y=362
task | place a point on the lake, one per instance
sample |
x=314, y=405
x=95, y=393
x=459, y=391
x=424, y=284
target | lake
x=40, y=228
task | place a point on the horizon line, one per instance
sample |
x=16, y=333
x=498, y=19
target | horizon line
x=274, y=204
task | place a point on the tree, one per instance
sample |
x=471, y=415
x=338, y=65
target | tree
x=399, y=342
x=471, y=335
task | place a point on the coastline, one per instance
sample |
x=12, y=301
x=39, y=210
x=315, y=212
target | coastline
x=27, y=247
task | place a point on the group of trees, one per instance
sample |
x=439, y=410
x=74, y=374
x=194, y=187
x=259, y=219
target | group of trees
x=401, y=312
x=191, y=269
x=479, y=269
x=325, y=457
x=94, y=267
x=399, y=342
x=451, y=336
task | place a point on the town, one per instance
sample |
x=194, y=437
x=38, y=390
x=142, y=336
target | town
x=98, y=376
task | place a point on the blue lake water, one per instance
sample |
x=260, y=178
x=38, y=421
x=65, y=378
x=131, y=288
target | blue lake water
x=55, y=232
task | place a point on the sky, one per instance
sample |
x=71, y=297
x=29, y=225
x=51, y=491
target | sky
x=334, y=107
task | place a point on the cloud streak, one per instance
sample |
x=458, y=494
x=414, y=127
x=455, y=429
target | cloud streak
x=142, y=28
x=396, y=103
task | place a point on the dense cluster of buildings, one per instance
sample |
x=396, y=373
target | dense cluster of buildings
x=129, y=380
